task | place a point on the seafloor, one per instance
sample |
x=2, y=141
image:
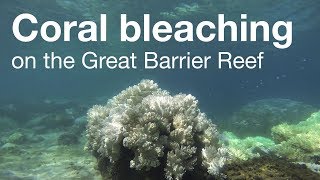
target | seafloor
x=39, y=144
x=46, y=141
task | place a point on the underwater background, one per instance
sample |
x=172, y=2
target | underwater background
x=43, y=112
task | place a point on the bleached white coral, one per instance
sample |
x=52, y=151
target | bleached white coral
x=213, y=158
x=155, y=126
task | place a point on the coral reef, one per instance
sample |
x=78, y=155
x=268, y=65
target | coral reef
x=50, y=121
x=155, y=130
x=45, y=159
x=11, y=149
x=247, y=148
x=16, y=138
x=20, y=136
x=268, y=167
x=28, y=153
x=299, y=142
x=68, y=139
x=257, y=118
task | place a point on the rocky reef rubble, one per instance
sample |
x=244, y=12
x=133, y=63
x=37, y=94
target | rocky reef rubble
x=268, y=167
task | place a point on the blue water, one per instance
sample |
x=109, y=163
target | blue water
x=291, y=73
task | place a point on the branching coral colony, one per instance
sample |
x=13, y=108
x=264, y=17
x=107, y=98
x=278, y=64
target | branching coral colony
x=159, y=130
